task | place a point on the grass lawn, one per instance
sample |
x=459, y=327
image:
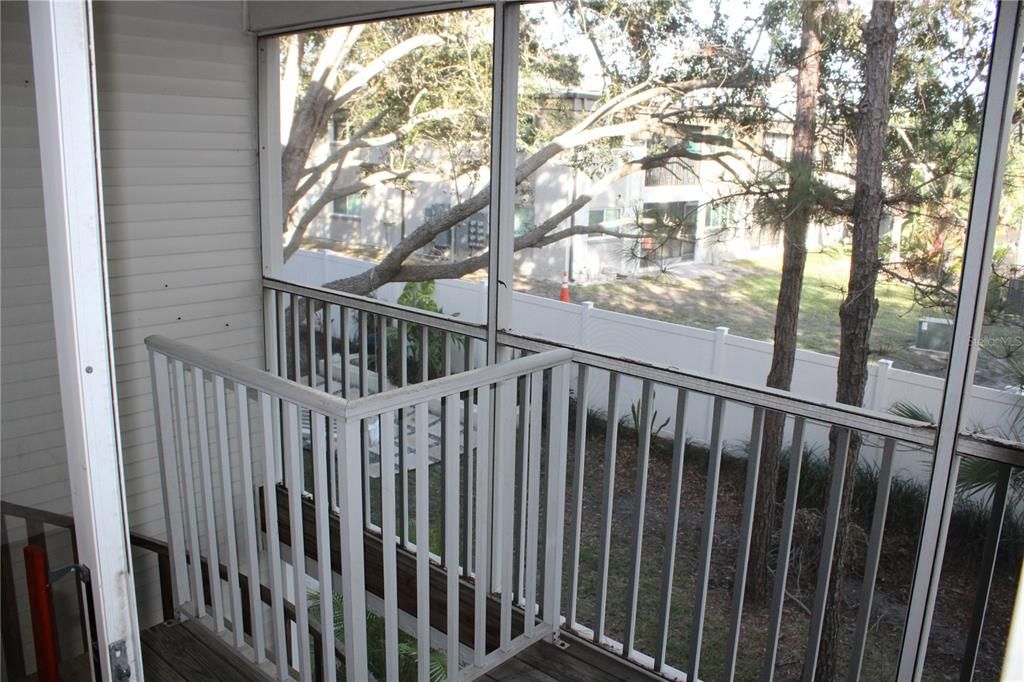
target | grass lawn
x=742, y=296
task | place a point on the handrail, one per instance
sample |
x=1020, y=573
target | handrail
x=370, y=305
x=859, y=418
x=333, y=406
x=300, y=394
x=990, y=447
x=438, y=388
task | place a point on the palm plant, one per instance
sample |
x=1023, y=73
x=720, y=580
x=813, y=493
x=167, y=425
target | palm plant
x=408, y=656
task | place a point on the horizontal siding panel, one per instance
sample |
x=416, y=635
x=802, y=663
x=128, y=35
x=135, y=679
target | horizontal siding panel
x=15, y=314
x=27, y=236
x=14, y=391
x=30, y=256
x=135, y=178
x=29, y=333
x=190, y=13
x=165, y=85
x=42, y=459
x=162, y=194
x=25, y=160
x=124, y=121
x=35, y=442
x=34, y=353
x=192, y=261
x=179, y=248
x=157, y=140
x=33, y=425
x=119, y=63
x=183, y=209
x=222, y=310
x=111, y=21
x=53, y=493
x=22, y=217
x=168, y=298
x=30, y=294
x=26, y=408
x=144, y=282
x=114, y=102
x=19, y=119
x=169, y=158
x=29, y=197
x=189, y=227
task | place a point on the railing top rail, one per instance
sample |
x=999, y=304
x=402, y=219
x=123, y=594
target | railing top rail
x=21, y=511
x=907, y=430
x=455, y=383
x=279, y=387
x=988, y=447
x=435, y=320
x=333, y=406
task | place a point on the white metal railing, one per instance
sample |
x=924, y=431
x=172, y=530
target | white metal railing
x=597, y=487
x=227, y=431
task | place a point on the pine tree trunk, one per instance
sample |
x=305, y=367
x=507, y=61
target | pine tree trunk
x=857, y=312
x=799, y=203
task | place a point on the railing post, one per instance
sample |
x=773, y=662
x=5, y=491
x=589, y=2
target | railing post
x=558, y=434
x=168, y=456
x=352, y=569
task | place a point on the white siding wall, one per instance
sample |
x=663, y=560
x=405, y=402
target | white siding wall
x=177, y=100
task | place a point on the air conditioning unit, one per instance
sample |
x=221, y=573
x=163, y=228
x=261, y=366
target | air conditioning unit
x=934, y=333
x=1015, y=296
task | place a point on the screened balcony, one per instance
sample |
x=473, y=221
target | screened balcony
x=420, y=400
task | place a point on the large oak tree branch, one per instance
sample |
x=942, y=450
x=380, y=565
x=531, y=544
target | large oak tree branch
x=390, y=269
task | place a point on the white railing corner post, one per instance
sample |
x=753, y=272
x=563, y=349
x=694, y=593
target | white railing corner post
x=353, y=582
x=558, y=434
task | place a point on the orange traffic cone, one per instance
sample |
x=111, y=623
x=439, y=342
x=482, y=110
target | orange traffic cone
x=564, y=296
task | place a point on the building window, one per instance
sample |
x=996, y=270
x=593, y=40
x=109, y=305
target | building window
x=350, y=205
x=670, y=231
x=523, y=221
x=719, y=215
x=676, y=171
x=603, y=216
x=779, y=145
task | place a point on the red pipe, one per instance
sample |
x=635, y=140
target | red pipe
x=44, y=624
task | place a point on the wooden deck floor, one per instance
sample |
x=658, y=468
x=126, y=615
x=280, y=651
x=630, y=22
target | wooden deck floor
x=189, y=652
x=579, y=662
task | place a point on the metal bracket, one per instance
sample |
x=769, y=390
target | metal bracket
x=81, y=571
x=559, y=642
x=120, y=669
